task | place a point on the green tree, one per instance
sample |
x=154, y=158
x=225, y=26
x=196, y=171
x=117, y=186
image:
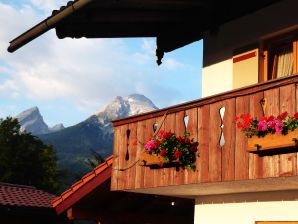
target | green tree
x=24, y=159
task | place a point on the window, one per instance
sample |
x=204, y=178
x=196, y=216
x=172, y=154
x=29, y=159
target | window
x=279, y=57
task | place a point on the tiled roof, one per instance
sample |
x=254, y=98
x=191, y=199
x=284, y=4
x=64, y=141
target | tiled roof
x=27, y=196
x=85, y=180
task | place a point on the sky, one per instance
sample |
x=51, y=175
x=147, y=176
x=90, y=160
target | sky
x=69, y=79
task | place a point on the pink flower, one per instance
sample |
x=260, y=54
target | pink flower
x=262, y=125
x=149, y=146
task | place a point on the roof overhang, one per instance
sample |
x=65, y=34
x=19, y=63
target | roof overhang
x=174, y=23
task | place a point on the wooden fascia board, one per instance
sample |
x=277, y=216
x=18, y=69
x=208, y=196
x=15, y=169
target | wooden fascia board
x=83, y=191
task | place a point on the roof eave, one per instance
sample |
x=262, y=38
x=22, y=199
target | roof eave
x=46, y=25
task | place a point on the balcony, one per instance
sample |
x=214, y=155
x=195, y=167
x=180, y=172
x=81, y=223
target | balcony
x=223, y=164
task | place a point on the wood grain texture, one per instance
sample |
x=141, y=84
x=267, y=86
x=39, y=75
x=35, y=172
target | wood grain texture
x=159, y=175
x=179, y=131
x=191, y=176
x=132, y=149
x=228, y=150
x=149, y=173
x=214, y=148
x=241, y=156
x=288, y=162
x=114, y=180
x=271, y=163
x=122, y=147
x=203, y=139
x=255, y=161
x=139, y=179
x=214, y=163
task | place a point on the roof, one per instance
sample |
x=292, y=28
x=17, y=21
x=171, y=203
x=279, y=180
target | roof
x=175, y=23
x=84, y=186
x=24, y=196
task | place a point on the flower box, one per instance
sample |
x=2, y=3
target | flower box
x=155, y=161
x=273, y=142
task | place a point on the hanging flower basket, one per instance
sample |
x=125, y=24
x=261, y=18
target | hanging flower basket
x=167, y=150
x=270, y=134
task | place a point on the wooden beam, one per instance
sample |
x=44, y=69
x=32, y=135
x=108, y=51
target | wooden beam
x=212, y=99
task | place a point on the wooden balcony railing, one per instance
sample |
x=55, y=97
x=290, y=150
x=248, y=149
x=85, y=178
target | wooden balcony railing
x=209, y=120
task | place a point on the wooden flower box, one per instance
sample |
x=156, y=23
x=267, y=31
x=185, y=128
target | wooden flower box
x=154, y=161
x=273, y=143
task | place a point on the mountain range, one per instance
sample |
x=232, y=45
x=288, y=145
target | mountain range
x=74, y=144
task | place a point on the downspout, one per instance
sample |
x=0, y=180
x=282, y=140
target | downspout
x=46, y=25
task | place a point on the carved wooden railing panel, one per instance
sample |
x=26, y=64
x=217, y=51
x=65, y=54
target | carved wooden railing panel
x=222, y=154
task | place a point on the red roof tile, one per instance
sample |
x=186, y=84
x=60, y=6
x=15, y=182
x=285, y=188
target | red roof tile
x=20, y=195
x=76, y=187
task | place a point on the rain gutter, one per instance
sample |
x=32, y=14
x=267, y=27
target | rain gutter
x=46, y=24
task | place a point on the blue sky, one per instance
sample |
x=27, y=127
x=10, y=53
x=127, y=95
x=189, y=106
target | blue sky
x=70, y=79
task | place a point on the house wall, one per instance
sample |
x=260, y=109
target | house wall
x=240, y=36
x=247, y=208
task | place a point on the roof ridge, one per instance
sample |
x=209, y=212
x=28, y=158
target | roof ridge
x=17, y=185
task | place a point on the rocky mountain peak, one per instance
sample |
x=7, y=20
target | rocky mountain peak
x=126, y=106
x=32, y=121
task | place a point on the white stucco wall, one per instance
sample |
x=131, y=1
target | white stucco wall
x=217, y=78
x=247, y=208
x=246, y=213
x=220, y=45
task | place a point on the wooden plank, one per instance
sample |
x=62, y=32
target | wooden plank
x=114, y=179
x=241, y=156
x=228, y=149
x=159, y=175
x=271, y=163
x=122, y=174
x=214, y=147
x=297, y=112
x=190, y=176
x=255, y=161
x=167, y=174
x=130, y=183
x=149, y=173
x=179, y=131
x=288, y=162
x=203, y=139
x=139, y=179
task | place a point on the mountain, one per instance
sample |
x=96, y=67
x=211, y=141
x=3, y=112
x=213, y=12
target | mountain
x=74, y=145
x=32, y=121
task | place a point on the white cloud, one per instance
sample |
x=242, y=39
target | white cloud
x=86, y=72
x=172, y=64
x=48, y=5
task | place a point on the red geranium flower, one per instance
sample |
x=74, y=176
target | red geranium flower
x=187, y=140
x=163, y=152
x=160, y=134
x=193, y=149
x=177, y=154
x=296, y=115
x=135, y=142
